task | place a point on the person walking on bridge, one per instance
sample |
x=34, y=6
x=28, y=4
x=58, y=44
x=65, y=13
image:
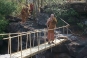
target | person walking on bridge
x=51, y=25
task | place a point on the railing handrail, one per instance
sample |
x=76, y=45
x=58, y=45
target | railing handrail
x=13, y=33
x=65, y=22
x=34, y=30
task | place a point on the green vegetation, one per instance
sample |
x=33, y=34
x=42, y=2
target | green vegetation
x=6, y=8
x=3, y=24
x=9, y=8
x=66, y=13
x=61, y=11
x=17, y=11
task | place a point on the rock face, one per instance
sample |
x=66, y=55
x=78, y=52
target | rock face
x=42, y=19
x=82, y=53
x=17, y=27
x=60, y=48
x=13, y=19
x=63, y=55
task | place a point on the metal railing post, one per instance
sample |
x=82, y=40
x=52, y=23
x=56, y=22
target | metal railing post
x=63, y=29
x=27, y=41
x=30, y=42
x=44, y=32
x=59, y=36
x=45, y=36
x=21, y=43
x=33, y=39
x=39, y=37
x=37, y=40
x=18, y=42
x=10, y=43
x=67, y=30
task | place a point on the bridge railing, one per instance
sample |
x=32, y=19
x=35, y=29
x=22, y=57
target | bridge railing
x=39, y=36
x=71, y=1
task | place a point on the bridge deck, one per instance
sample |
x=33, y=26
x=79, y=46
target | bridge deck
x=34, y=50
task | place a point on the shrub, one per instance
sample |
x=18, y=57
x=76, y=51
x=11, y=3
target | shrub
x=6, y=7
x=61, y=11
x=3, y=24
x=81, y=25
x=66, y=14
x=17, y=11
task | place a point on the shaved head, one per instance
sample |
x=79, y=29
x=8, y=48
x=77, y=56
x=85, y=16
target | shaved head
x=52, y=15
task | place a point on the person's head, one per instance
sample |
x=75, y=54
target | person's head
x=52, y=15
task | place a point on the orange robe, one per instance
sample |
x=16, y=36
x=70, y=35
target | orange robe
x=51, y=26
x=31, y=8
x=24, y=14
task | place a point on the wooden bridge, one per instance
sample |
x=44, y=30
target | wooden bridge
x=32, y=50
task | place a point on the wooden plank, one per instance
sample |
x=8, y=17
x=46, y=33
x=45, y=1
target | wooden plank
x=34, y=50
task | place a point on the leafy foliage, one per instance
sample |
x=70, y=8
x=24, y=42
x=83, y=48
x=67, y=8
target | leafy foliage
x=17, y=11
x=3, y=25
x=6, y=7
x=80, y=25
x=63, y=12
x=68, y=14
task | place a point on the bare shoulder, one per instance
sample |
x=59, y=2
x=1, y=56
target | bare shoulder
x=48, y=19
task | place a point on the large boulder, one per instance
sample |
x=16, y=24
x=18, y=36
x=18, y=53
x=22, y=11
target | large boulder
x=42, y=19
x=13, y=19
x=18, y=27
x=82, y=53
x=62, y=48
x=63, y=55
